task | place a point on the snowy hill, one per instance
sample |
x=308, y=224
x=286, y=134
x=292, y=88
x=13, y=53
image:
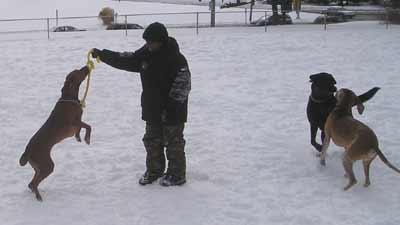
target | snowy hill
x=249, y=161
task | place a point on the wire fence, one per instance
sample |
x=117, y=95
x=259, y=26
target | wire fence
x=195, y=20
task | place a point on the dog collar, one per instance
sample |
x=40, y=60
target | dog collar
x=69, y=100
x=316, y=100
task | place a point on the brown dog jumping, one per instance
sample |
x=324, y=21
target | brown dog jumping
x=359, y=141
x=63, y=122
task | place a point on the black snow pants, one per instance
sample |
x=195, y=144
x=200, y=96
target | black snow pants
x=160, y=136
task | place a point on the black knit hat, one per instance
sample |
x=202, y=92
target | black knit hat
x=156, y=32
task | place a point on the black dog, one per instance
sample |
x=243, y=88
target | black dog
x=322, y=101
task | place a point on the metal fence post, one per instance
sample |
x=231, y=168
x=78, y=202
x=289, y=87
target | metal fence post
x=197, y=23
x=325, y=15
x=251, y=13
x=245, y=16
x=387, y=19
x=212, y=9
x=48, y=28
x=126, y=26
x=56, y=17
x=266, y=20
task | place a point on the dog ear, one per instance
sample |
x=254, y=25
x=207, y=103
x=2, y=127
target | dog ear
x=360, y=106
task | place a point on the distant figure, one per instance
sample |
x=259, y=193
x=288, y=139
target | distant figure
x=280, y=19
x=297, y=7
x=286, y=6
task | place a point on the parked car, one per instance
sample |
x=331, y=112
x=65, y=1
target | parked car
x=66, y=29
x=328, y=19
x=272, y=20
x=258, y=22
x=123, y=26
x=344, y=14
x=334, y=15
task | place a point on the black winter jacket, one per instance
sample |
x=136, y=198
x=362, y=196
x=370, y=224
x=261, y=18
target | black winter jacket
x=166, y=80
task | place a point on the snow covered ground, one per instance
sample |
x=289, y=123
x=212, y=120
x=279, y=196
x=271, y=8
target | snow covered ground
x=249, y=161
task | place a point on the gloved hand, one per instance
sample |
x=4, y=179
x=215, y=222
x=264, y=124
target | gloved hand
x=95, y=52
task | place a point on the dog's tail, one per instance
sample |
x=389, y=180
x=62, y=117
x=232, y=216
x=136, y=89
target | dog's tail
x=24, y=158
x=384, y=159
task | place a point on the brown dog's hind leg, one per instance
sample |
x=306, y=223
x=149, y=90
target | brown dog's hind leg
x=33, y=185
x=44, y=171
x=36, y=169
x=348, y=167
x=30, y=185
x=78, y=135
x=366, y=164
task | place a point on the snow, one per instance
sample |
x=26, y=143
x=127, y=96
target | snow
x=249, y=161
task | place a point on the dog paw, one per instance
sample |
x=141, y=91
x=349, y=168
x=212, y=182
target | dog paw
x=78, y=139
x=351, y=184
x=30, y=186
x=39, y=198
x=87, y=140
x=322, y=162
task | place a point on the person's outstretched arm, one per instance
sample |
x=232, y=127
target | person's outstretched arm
x=129, y=61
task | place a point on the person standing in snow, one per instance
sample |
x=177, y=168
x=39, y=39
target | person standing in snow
x=166, y=83
x=297, y=7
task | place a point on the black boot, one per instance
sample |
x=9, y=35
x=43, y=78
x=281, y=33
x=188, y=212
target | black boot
x=148, y=178
x=171, y=180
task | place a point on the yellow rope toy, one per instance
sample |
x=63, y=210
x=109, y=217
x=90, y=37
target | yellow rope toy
x=90, y=65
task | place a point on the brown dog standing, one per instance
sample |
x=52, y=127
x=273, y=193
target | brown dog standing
x=359, y=141
x=63, y=122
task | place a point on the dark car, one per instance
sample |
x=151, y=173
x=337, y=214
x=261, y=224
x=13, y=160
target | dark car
x=344, y=14
x=334, y=15
x=123, y=26
x=66, y=29
x=272, y=20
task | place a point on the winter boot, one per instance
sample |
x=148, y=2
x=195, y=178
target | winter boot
x=172, y=180
x=148, y=178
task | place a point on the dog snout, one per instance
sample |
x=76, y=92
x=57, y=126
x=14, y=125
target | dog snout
x=339, y=95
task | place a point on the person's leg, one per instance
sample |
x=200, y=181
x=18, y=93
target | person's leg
x=297, y=8
x=176, y=172
x=155, y=158
x=274, y=5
